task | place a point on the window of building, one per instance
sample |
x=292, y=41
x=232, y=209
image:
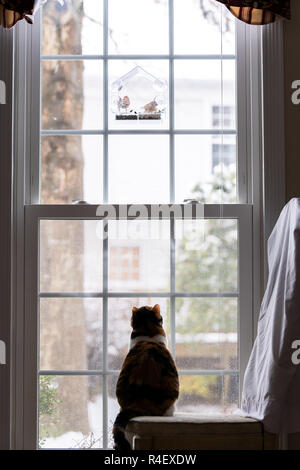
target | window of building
x=224, y=154
x=124, y=263
x=223, y=116
x=86, y=273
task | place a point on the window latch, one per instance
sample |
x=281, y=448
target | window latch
x=191, y=201
x=79, y=201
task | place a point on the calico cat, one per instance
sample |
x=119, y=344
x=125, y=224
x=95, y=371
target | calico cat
x=148, y=382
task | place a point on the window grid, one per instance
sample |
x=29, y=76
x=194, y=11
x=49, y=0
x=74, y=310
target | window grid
x=105, y=372
x=232, y=211
x=171, y=131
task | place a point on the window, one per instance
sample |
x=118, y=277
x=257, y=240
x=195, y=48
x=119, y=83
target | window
x=223, y=153
x=223, y=116
x=124, y=263
x=86, y=271
x=223, y=148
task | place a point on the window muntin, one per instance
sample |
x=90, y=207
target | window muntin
x=171, y=132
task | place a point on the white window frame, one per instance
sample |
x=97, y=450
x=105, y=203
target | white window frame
x=6, y=69
x=35, y=213
x=248, y=213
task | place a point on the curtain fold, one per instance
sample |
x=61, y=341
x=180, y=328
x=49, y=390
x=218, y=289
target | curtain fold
x=271, y=387
x=12, y=11
x=253, y=12
x=259, y=12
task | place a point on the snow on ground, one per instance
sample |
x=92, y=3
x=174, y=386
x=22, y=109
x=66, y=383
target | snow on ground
x=94, y=439
x=95, y=414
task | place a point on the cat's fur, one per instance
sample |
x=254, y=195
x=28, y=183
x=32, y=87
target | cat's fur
x=148, y=382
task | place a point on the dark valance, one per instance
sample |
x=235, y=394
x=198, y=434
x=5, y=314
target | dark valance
x=259, y=12
x=253, y=12
x=12, y=11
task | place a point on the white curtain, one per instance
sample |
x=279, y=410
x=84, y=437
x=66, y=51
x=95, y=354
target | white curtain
x=271, y=390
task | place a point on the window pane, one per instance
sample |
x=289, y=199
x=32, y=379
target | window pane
x=142, y=83
x=228, y=108
x=139, y=256
x=72, y=94
x=223, y=117
x=70, y=256
x=72, y=27
x=70, y=334
x=138, y=169
x=206, y=333
x=138, y=27
x=198, y=26
x=205, y=168
x=229, y=31
x=206, y=256
x=208, y=394
x=113, y=407
x=72, y=169
x=70, y=409
x=198, y=89
x=119, y=329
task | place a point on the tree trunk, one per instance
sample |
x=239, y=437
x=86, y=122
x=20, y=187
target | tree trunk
x=62, y=175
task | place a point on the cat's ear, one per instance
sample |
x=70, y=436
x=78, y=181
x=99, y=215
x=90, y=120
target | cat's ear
x=134, y=310
x=156, y=310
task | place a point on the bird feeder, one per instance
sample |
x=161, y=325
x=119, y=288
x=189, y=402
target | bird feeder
x=138, y=95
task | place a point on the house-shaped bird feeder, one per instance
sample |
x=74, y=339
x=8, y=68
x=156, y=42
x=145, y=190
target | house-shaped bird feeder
x=138, y=95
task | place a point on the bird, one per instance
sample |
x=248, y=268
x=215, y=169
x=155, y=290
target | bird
x=151, y=107
x=124, y=102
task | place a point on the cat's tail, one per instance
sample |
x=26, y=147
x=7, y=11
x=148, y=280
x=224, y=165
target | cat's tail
x=122, y=419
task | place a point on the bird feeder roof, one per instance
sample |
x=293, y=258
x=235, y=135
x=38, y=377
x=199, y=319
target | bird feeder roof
x=139, y=71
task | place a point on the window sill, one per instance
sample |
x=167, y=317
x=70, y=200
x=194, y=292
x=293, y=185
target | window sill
x=185, y=431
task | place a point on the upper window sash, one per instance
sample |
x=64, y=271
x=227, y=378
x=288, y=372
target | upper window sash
x=29, y=38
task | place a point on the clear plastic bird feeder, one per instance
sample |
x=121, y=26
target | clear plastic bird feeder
x=138, y=95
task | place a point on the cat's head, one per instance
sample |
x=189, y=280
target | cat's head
x=147, y=318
